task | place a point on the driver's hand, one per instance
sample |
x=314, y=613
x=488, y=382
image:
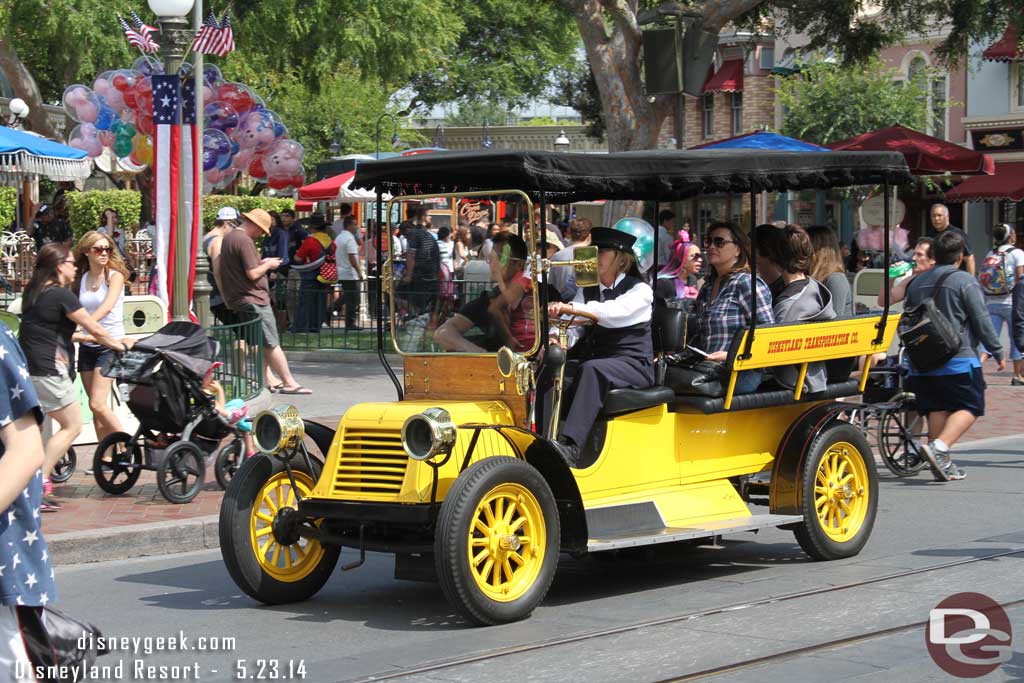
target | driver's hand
x=718, y=356
x=553, y=341
x=558, y=309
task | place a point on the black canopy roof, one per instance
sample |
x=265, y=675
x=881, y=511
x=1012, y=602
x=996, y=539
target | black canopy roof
x=655, y=175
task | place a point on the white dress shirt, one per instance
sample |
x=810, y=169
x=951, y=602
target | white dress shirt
x=632, y=307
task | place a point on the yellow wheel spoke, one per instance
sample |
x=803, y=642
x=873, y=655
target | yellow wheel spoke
x=265, y=547
x=822, y=478
x=479, y=557
x=524, y=540
x=488, y=515
x=279, y=492
x=506, y=568
x=847, y=479
x=497, y=575
x=476, y=541
x=301, y=552
x=820, y=502
x=485, y=573
x=264, y=531
x=509, y=511
x=517, y=557
x=517, y=525
x=481, y=527
x=275, y=559
x=288, y=558
x=269, y=503
x=845, y=508
x=291, y=498
x=499, y=508
x=820, y=490
x=269, y=519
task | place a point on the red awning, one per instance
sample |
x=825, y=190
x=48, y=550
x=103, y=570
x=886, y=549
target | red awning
x=301, y=205
x=926, y=155
x=1007, y=183
x=729, y=78
x=327, y=189
x=1005, y=49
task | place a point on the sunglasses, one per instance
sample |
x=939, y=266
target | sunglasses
x=102, y=250
x=717, y=242
x=69, y=260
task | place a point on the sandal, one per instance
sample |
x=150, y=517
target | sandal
x=276, y=388
x=299, y=390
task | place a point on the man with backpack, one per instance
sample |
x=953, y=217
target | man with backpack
x=945, y=318
x=1001, y=270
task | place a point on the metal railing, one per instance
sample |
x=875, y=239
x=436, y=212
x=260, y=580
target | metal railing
x=343, y=316
x=241, y=352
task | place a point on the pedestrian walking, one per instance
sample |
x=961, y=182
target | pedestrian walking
x=227, y=220
x=315, y=252
x=50, y=314
x=350, y=272
x=244, y=285
x=1002, y=268
x=940, y=224
x=420, y=283
x=952, y=396
x=26, y=577
x=1017, y=316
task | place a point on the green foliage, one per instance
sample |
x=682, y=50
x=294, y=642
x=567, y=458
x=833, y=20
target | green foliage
x=824, y=102
x=8, y=206
x=85, y=208
x=474, y=113
x=213, y=203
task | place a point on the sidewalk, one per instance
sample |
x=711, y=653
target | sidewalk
x=94, y=526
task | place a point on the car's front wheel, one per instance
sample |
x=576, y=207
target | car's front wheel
x=261, y=548
x=497, y=541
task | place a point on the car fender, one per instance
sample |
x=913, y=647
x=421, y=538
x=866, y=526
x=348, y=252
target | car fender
x=572, y=517
x=786, y=493
x=322, y=436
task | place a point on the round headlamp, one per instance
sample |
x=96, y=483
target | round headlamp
x=276, y=429
x=426, y=434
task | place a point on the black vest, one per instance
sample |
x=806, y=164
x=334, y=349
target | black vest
x=603, y=342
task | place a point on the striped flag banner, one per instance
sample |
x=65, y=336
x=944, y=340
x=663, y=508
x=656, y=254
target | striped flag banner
x=174, y=116
x=215, y=37
x=144, y=43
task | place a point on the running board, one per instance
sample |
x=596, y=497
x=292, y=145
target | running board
x=670, y=534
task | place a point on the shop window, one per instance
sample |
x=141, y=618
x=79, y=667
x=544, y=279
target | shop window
x=708, y=117
x=737, y=113
x=767, y=58
x=1016, y=87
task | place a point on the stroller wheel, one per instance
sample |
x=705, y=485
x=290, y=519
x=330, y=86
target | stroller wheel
x=229, y=459
x=65, y=467
x=117, y=464
x=181, y=474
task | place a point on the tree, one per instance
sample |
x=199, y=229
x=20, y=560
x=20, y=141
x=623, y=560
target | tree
x=826, y=102
x=474, y=113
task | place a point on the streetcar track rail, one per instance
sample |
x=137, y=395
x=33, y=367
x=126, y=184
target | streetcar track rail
x=700, y=614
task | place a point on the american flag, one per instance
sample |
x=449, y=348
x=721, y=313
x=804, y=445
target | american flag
x=145, y=30
x=174, y=116
x=215, y=37
x=144, y=43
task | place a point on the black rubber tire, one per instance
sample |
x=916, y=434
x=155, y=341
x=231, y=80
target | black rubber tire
x=65, y=467
x=901, y=457
x=235, y=547
x=182, y=472
x=809, y=533
x=452, y=538
x=229, y=459
x=122, y=474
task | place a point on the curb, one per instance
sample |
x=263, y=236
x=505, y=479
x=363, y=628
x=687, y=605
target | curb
x=341, y=356
x=135, y=540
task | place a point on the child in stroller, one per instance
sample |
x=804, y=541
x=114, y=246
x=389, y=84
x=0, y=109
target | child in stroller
x=179, y=421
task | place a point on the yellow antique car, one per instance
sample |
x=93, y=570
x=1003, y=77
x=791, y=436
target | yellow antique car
x=458, y=479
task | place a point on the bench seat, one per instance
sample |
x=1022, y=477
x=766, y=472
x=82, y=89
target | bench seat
x=621, y=401
x=761, y=399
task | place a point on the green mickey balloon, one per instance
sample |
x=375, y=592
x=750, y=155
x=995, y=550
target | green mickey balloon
x=643, y=247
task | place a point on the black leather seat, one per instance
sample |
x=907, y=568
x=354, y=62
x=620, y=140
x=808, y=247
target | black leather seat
x=620, y=401
x=762, y=399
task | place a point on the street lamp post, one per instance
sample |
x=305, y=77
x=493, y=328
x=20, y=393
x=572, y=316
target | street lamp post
x=175, y=36
x=487, y=136
x=394, y=134
x=562, y=143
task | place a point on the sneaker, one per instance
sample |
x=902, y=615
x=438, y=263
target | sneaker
x=49, y=504
x=939, y=461
x=954, y=473
x=1017, y=381
x=47, y=487
x=237, y=414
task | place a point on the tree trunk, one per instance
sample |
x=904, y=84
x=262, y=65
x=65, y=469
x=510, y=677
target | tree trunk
x=26, y=88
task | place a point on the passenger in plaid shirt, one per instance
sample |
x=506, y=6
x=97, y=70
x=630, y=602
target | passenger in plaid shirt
x=723, y=304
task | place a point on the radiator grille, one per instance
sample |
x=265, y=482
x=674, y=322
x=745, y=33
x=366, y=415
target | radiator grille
x=371, y=461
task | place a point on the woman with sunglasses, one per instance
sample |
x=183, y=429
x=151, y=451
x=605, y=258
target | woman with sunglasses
x=50, y=314
x=101, y=280
x=678, y=280
x=723, y=305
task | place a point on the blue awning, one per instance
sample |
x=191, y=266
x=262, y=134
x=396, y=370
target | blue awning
x=24, y=156
x=764, y=140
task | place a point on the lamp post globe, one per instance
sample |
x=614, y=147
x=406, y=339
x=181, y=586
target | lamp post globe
x=170, y=8
x=562, y=143
x=18, y=108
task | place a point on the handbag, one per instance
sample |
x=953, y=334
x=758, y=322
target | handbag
x=53, y=639
x=690, y=374
x=329, y=268
x=928, y=335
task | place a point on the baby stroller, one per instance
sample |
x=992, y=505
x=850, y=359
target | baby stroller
x=179, y=425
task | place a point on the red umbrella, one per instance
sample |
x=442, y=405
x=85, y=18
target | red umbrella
x=925, y=155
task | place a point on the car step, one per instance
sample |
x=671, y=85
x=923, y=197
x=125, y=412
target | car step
x=627, y=539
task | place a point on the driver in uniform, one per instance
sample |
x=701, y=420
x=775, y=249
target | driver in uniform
x=616, y=352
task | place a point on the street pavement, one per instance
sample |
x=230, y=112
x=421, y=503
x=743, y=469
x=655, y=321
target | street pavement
x=365, y=625
x=90, y=514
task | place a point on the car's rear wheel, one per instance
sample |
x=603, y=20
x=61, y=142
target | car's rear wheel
x=840, y=493
x=261, y=548
x=497, y=541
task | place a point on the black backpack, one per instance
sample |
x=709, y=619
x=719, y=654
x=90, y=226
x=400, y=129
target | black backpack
x=929, y=337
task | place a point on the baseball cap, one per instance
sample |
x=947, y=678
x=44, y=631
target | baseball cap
x=260, y=219
x=227, y=213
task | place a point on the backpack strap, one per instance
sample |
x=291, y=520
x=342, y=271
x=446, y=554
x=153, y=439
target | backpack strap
x=938, y=283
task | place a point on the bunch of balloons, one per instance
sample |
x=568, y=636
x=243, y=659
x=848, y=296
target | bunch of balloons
x=241, y=136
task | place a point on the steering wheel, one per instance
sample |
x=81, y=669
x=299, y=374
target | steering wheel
x=574, y=319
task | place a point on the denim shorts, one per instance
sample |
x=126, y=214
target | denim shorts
x=950, y=393
x=93, y=357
